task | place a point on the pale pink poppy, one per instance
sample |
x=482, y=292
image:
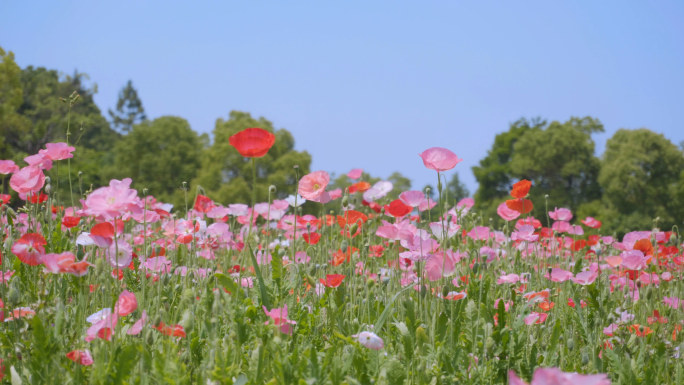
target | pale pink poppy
x=355, y=173
x=525, y=233
x=28, y=180
x=312, y=185
x=554, y=376
x=412, y=197
x=439, y=159
x=439, y=265
x=585, y=277
x=138, y=325
x=379, y=190
x=508, y=278
x=634, y=260
x=39, y=160
x=126, y=304
x=65, y=263
x=559, y=275
x=8, y=167
x=279, y=317
x=673, y=302
x=561, y=214
x=370, y=340
x=113, y=201
x=479, y=233
x=506, y=213
x=610, y=329
x=58, y=151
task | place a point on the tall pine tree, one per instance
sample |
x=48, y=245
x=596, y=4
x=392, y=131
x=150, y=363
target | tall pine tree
x=129, y=110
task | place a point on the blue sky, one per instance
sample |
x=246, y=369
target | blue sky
x=371, y=84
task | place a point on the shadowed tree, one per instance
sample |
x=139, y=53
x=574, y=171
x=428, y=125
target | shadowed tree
x=129, y=110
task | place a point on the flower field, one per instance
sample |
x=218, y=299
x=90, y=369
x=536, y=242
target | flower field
x=353, y=288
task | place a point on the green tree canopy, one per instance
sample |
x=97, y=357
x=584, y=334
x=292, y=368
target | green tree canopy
x=642, y=178
x=129, y=109
x=226, y=176
x=160, y=155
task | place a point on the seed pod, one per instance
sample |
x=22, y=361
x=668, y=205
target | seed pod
x=570, y=344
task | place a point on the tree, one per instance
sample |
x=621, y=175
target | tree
x=642, y=179
x=455, y=189
x=226, y=176
x=160, y=155
x=129, y=109
x=37, y=107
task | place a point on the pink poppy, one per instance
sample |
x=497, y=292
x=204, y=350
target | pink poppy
x=29, y=179
x=506, y=213
x=82, y=357
x=30, y=248
x=126, y=304
x=439, y=159
x=58, y=151
x=113, y=201
x=370, y=340
x=65, y=263
x=39, y=160
x=561, y=214
x=535, y=318
x=559, y=275
x=138, y=325
x=279, y=318
x=554, y=376
x=479, y=233
x=412, y=198
x=8, y=167
x=591, y=222
x=355, y=173
x=313, y=185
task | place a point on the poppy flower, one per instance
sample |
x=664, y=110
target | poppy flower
x=252, y=142
x=332, y=280
x=30, y=248
x=370, y=340
x=170, y=330
x=203, y=204
x=439, y=159
x=523, y=206
x=311, y=238
x=82, y=357
x=591, y=222
x=398, y=209
x=4, y=199
x=521, y=188
x=312, y=185
x=69, y=221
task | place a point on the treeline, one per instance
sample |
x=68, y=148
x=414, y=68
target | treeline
x=638, y=183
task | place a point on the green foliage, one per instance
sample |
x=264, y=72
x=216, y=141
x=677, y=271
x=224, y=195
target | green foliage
x=129, y=109
x=226, y=176
x=159, y=155
x=642, y=179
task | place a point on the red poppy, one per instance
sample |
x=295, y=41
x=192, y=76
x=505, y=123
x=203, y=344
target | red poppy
x=521, y=189
x=37, y=198
x=359, y=187
x=311, y=238
x=340, y=257
x=4, y=199
x=69, y=221
x=170, y=330
x=252, y=142
x=398, y=209
x=203, y=204
x=645, y=246
x=523, y=206
x=104, y=229
x=332, y=280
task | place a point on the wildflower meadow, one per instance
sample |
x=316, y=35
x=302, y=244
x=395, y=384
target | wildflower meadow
x=328, y=286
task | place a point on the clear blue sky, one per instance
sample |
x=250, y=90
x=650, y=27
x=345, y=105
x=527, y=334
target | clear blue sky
x=371, y=84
